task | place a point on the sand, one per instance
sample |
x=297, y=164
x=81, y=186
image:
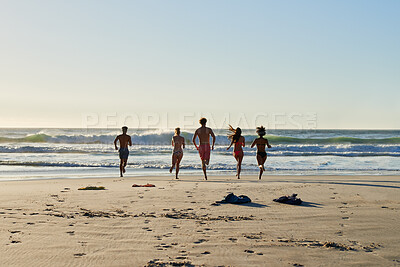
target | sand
x=344, y=221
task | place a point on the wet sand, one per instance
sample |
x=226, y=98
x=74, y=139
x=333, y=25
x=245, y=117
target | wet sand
x=343, y=221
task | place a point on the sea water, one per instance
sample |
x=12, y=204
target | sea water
x=73, y=153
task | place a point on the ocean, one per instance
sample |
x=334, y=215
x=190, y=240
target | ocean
x=75, y=153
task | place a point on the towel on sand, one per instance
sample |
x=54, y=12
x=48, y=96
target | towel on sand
x=292, y=200
x=146, y=185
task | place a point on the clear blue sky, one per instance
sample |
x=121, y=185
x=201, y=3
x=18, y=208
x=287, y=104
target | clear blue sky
x=339, y=59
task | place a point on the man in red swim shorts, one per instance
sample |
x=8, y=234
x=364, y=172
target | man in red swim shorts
x=204, y=148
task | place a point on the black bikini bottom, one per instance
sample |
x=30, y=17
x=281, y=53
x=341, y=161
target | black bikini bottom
x=262, y=154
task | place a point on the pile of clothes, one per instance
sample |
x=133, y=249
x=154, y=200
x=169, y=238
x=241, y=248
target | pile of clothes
x=292, y=200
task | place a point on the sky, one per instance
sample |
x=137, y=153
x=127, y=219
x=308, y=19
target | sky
x=283, y=64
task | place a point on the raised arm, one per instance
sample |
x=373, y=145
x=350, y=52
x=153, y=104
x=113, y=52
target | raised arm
x=213, y=137
x=194, y=139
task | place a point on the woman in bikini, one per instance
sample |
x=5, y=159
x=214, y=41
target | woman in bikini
x=238, y=141
x=261, y=154
x=178, y=142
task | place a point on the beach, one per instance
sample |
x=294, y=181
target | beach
x=343, y=221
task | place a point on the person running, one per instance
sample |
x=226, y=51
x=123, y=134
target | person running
x=124, y=141
x=178, y=142
x=238, y=140
x=261, y=154
x=204, y=144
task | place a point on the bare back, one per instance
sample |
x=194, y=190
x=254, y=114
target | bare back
x=124, y=140
x=261, y=143
x=178, y=142
x=204, y=134
x=239, y=144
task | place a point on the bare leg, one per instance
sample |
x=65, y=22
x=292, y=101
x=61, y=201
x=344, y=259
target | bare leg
x=121, y=168
x=178, y=161
x=203, y=166
x=125, y=162
x=239, y=164
x=173, y=163
x=261, y=161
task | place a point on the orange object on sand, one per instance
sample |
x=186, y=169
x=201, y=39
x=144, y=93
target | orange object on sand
x=146, y=185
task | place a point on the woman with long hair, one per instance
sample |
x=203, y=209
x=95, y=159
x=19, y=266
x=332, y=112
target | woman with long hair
x=238, y=141
x=261, y=153
x=178, y=142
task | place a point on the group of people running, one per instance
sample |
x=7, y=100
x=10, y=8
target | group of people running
x=203, y=134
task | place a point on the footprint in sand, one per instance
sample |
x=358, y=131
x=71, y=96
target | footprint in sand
x=345, y=218
x=71, y=232
x=206, y=252
x=83, y=243
x=249, y=251
x=200, y=241
x=232, y=239
x=79, y=254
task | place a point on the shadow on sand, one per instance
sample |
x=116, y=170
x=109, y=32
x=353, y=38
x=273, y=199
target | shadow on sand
x=310, y=204
x=251, y=204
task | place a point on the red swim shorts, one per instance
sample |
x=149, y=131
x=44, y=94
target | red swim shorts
x=204, y=151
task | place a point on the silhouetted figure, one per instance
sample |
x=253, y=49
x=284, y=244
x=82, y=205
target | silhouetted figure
x=238, y=141
x=204, y=147
x=178, y=142
x=261, y=153
x=124, y=141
